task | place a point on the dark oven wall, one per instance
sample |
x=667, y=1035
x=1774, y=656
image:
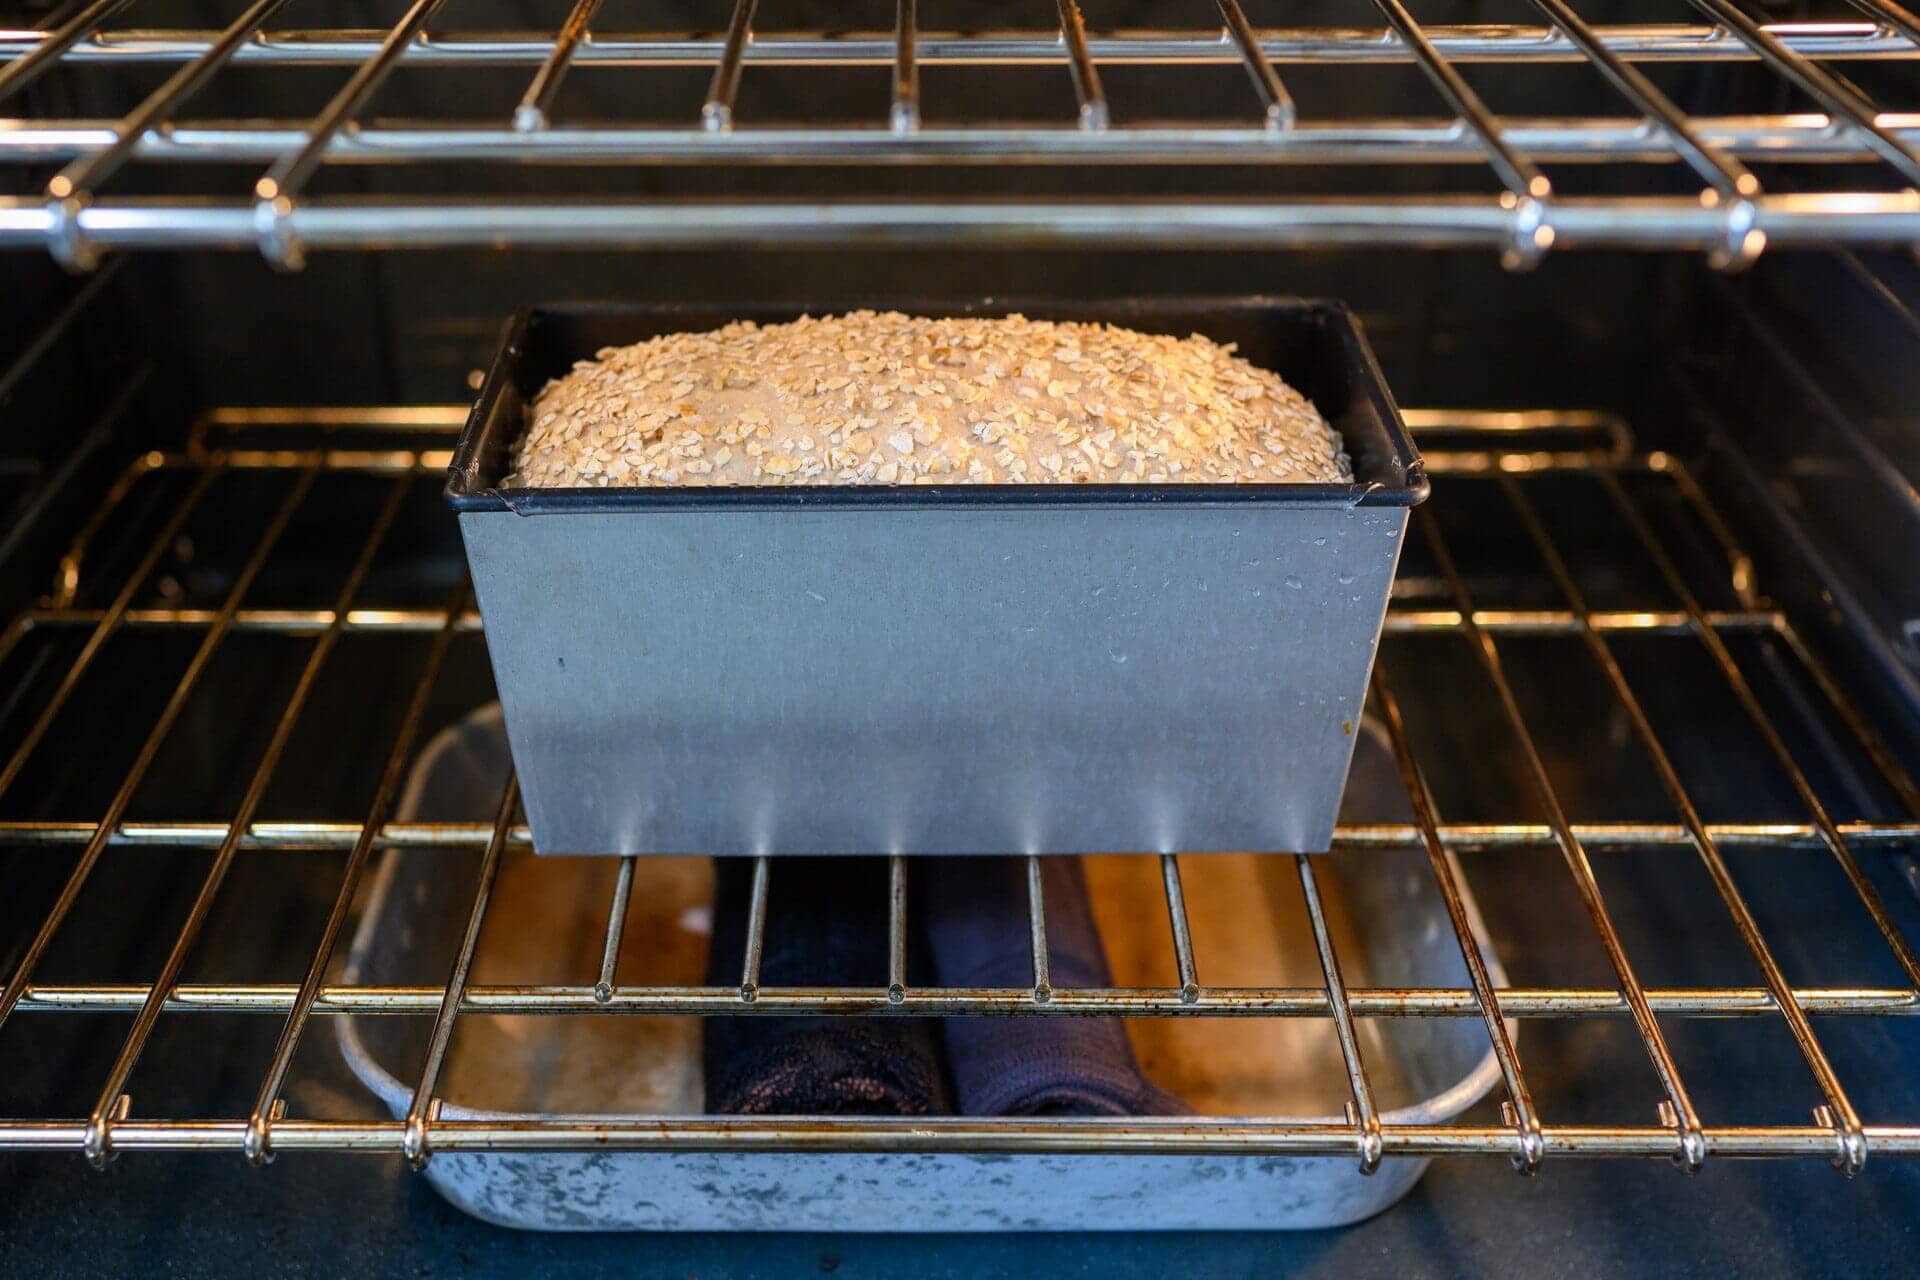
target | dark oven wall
x=1449, y=328
x=1794, y=390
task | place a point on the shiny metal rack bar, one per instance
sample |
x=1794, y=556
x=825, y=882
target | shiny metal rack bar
x=1094, y=114
x=1835, y=95
x=74, y=187
x=424, y=1107
x=1805, y=137
x=716, y=113
x=616, y=929
x=1891, y=16
x=1525, y=185
x=1730, y=218
x=1230, y=1002
x=1678, y=1108
x=534, y=105
x=1518, y=1110
x=277, y=190
x=1037, y=932
x=1362, y=1110
x=1862, y=218
x=903, y=116
x=44, y=50
x=266, y=1109
x=921, y=1133
x=80, y=42
x=1279, y=104
x=896, y=928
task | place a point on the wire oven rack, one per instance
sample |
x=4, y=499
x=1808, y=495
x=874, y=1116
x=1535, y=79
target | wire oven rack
x=1727, y=214
x=396, y=450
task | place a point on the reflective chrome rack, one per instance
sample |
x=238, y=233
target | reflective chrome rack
x=1513, y=453
x=1730, y=215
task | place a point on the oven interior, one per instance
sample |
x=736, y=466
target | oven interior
x=1651, y=653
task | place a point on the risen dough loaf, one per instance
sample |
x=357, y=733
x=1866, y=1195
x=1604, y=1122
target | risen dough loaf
x=885, y=398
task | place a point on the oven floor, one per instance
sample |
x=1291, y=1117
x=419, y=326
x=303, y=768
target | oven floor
x=196, y=1216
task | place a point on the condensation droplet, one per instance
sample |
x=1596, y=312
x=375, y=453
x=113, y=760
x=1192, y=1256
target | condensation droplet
x=1293, y=580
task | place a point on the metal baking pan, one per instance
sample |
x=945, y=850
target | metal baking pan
x=954, y=669
x=1249, y=927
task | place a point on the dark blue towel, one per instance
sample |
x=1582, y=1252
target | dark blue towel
x=826, y=926
x=975, y=917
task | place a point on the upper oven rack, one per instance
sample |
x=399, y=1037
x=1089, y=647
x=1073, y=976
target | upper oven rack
x=1723, y=208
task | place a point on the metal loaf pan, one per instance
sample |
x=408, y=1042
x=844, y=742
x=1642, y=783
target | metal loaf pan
x=955, y=669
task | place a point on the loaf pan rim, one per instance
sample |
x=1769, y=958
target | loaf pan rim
x=468, y=491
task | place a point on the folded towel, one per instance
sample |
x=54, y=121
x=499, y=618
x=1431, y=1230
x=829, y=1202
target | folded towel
x=975, y=915
x=826, y=926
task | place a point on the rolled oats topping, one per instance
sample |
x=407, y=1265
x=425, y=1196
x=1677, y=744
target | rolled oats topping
x=886, y=398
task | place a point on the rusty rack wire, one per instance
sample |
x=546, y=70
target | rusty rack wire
x=1514, y=450
x=1730, y=216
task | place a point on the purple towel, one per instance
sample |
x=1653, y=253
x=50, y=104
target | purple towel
x=975, y=915
x=826, y=926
